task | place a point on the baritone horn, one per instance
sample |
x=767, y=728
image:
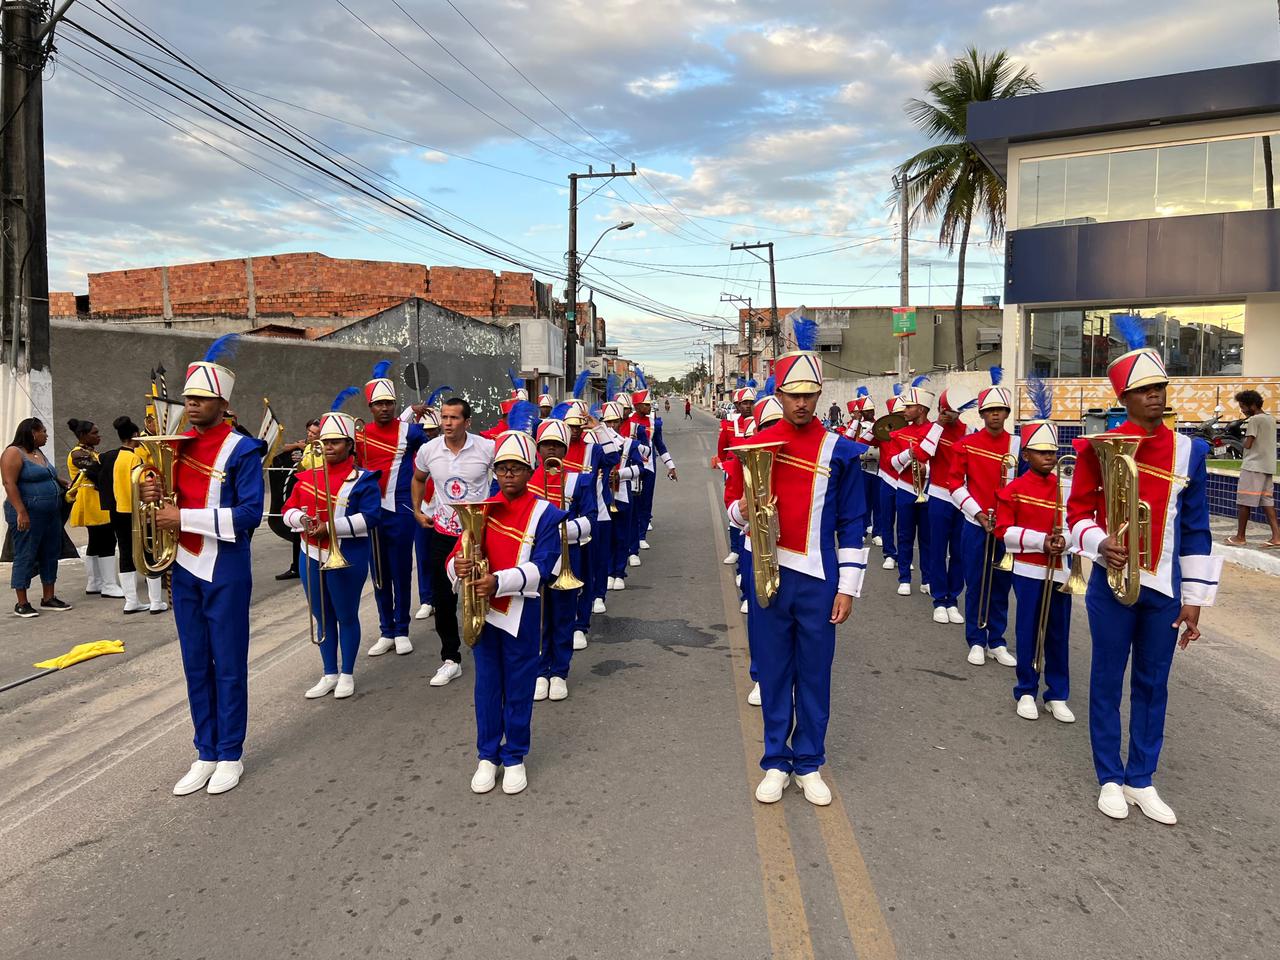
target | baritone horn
x=473, y=517
x=553, y=468
x=154, y=550
x=1128, y=516
x=762, y=516
x=1076, y=584
x=919, y=480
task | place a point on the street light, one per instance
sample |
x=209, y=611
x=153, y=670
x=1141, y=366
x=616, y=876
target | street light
x=624, y=225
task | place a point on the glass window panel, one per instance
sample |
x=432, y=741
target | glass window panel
x=1027, y=189
x=1180, y=180
x=1086, y=189
x=1230, y=175
x=1266, y=155
x=1132, y=190
x=1050, y=191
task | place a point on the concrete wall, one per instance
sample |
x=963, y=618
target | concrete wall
x=868, y=344
x=843, y=390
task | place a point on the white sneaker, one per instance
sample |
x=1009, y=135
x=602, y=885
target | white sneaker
x=448, y=671
x=1004, y=657
x=940, y=615
x=403, y=645
x=1111, y=801
x=737, y=580
x=814, y=790
x=619, y=583
x=633, y=561
x=1148, y=801
x=514, y=779
x=579, y=640
x=771, y=787
x=924, y=588
x=977, y=655
x=650, y=527
x=559, y=689
x=1061, y=712
x=731, y=558
x=382, y=646
x=323, y=687
x=1027, y=708
x=753, y=697
x=954, y=615
x=195, y=778
x=644, y=544
x=226, y=777
x=485, y=777
x=424, y=611
x=745, y=606
x=540, y=689
x=904, y=589
x=346, y=686
x=597, y=606
x=889, y=563
x=878, y=541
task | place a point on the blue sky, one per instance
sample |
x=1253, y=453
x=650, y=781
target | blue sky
x=751, y=120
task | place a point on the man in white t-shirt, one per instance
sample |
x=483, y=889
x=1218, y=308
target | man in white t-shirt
x=460, y=466
x=1257, y=468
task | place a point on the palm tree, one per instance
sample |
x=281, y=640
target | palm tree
x=948, y=181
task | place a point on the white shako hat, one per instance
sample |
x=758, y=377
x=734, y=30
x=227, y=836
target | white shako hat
x=516, y=445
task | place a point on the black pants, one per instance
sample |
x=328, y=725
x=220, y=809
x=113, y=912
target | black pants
x=122, y=524
x=102, y=540
x=445, y=600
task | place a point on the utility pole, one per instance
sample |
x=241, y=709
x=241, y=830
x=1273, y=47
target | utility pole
x=751, y=331
x=773, y=285
x=904, y=283
x=571, y=286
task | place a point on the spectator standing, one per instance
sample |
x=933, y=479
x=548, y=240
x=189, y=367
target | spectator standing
x=33, y=511
x=123, y=462
x=1257, y=468
x=101, y=575
x=688, y=409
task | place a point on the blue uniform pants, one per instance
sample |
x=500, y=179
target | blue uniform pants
x=945, y=566
x=1145, y=629
x=748, y=592
x=213, y=635
x=886, y=514
x=1057, y=680
x=743, y=566
x=649, y=483
x=623, y=528
x=793, y=644
x=973, y=544
x=599, y=555
x=422, y=555
x=871, y=496
x=506, y=673
x=912, y=521
x=392, y=558
x=559, y=615
x=339, y=618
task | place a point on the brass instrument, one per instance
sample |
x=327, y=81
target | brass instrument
x=919, y=480
x=1052, y=565
x=566, y=580
x=473, y=517
x=1128, y=517
x=1008, y=467
x=762, y=517
x=1076, y=584
x=1008, y=463
x=615, y=484
x=886, y=425
x=335, y=560
x=154, y=550
x=360, y=449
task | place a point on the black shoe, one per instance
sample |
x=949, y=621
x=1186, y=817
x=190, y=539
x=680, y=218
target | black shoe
x=54, y=604
x=290, y=574
x=25, y=610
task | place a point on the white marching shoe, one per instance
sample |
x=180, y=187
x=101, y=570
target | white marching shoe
x=424, y=611
x=1061, y=712
x=1004, y=657
x=644, y=544
x=753, y=697
x=889, y=563
x=924, y=588
x=954, y=615
x=1027, y=708
x=514, y=779
x=109, y=577
x=323, y=687
x=92, y=578
x=382, y=646
x=447, y=671
x=737, y=580
x=1148, y=801
x=403, y=645
x=878, y=541
x=540, y=687
x=771, y=787
x=745, y=607
x=486, y=775
x=1111, y=801
x=814, y=790
x=558, y=689
x=619, y=583
x=940, y=615
x=195, y=778
x=346, y=686
x=904, y=589
x=650, y=527
x=226, y=777
x=579, y=640
x=633, y=560
x=155, y=595
x=129, y=586
x=731, y=558
x=977, y=655
x=597, y=606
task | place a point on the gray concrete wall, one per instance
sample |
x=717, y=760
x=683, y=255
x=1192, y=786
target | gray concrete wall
x=869, y=348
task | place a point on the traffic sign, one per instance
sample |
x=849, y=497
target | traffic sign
x=904, y=321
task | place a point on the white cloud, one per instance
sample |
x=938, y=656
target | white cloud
x=434, y=156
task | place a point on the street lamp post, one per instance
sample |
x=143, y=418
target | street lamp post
x=571, y=292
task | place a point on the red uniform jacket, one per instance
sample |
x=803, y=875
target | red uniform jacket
x=976, y=472
x=1024, y=519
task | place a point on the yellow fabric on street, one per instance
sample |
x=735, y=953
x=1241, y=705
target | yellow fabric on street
x=81, y=651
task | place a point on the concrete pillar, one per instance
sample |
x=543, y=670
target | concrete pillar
x=166, y=308
x=1262, y=335
x=251, y=296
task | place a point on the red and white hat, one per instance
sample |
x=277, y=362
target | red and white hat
x=993, y=397
x=430, y=420
x=381, y=388
x=744, y=393
x=554, y=430
x=544, y=400
x=893, y=404
x=578, y=412
x=1040, y=435
x=1136, y=369
x=862, y=404
x=798, y=372
x=516, y=445
x=506, y=405
x=206, y=379
x=918, y=395
x=624, y=401
x=639, y=397
x=613, y=410
x=338, y=426
x=766, y=412
x=520, y=394
x=954, y=399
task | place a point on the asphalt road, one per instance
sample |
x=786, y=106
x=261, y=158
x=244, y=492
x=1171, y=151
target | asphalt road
x=959, y=829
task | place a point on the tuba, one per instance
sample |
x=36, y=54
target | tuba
x=566, y=580
x=1128, y=517
x=154, y=550
x=762, y=516
x=473, y=517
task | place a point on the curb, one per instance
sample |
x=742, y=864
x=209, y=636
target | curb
x=1262, y=561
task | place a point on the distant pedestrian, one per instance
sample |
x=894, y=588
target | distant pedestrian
x=1257, y=468
x=688, y=409
x=834, y=419
x=33, y=511
x=101, y=575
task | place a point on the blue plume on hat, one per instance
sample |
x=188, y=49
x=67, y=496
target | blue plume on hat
x=641, y=382
x=342, y=398
x=610, y=386
x=863, y=392
x=436, y=394
x=380, y=369
x=752, y=383
x=997, y=374
x=521, y=417
x=742, y=381
x=627, y=384
x=224, y=348
x=806, y=332
x=1131, y=328
x=516, y=382
x=770, y=386
x=897, y=389
x=580, y=384
x=921, y=380
x=968, y=406
x=1041, y=394
x=597, y=411
x=560, y=411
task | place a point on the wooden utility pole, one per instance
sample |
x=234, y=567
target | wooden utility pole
x=773, y=285
x=904, y=283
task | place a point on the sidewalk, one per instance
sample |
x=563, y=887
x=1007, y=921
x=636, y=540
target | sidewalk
x=1253, y=555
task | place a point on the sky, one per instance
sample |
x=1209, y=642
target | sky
x=748, y=120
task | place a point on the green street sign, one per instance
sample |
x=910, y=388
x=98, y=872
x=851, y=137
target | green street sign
x=904, y=321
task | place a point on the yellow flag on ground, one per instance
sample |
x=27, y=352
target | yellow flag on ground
x=81, y=651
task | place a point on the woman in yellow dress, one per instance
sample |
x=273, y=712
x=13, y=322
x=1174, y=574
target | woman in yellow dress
x=101, y=576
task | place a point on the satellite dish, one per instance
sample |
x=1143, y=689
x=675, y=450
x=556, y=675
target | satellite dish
x=415, y=377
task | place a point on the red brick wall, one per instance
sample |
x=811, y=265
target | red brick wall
x=62, y=304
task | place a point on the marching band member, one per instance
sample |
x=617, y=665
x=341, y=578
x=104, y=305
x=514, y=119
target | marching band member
x=736, y=425
x=627, y=475
x=351, y=496
x=521, y=544
x=386, y=446
x=600, y=550
x=132, y=455
x=639, y=433
x=862, y=412
x=652, y=424
x=545, y=405
x=1029, y=525
x=101, y=574
x=218, y=483
x=821, y=518
x=592, y=461
x=518, y=393
x=887, y=500
x=912, y=443
x=1178, y=579
x=561, y=606
x=978, y=471
x=428, y=417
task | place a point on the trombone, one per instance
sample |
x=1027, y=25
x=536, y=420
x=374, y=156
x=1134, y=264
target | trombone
x=1075, y=580
x=566, y=580
x=986, y=585
x=335, y=560
x=361, y=449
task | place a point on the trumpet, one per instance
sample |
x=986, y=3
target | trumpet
x=986, y=584
x=919, y=480
x=335, y=560
x=762, y=517
x=615, y=484
x=154, y=550
x=1128, y=517
x=473, y=517
x=566, y=580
